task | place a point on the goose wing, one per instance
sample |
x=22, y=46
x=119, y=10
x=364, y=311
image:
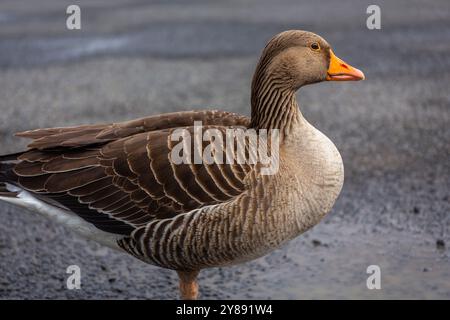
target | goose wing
x=121, y=176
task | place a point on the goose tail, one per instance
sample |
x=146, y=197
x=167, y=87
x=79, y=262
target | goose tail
x=7, y=175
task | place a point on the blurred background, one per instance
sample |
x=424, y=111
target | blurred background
x=135, y=58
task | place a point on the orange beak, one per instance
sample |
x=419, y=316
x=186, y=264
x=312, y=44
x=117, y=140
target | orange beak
x=341, y=71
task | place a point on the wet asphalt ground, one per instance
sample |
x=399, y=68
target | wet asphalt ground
x=137, y=58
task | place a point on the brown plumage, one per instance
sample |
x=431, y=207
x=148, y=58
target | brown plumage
x=121, y=178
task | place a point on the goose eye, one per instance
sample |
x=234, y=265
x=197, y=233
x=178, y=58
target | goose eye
x=315, y=46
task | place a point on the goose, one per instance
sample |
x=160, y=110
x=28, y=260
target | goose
x=118, y=184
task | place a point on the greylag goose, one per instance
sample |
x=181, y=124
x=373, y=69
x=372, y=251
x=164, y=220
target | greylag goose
x=118, y=183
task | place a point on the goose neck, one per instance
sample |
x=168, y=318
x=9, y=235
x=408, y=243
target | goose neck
x=274, y=105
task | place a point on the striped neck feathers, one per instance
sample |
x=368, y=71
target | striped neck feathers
x=273, y=101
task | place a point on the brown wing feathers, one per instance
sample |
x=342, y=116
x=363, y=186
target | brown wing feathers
x=97, y=134
x=120, y=176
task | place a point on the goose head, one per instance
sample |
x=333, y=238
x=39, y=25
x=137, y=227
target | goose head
x=297, y=58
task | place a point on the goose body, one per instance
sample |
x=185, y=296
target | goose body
x=118, y=184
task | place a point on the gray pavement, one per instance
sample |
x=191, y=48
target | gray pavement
x=137, y=58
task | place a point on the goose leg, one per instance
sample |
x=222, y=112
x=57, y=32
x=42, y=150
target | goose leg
x=188, y=284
